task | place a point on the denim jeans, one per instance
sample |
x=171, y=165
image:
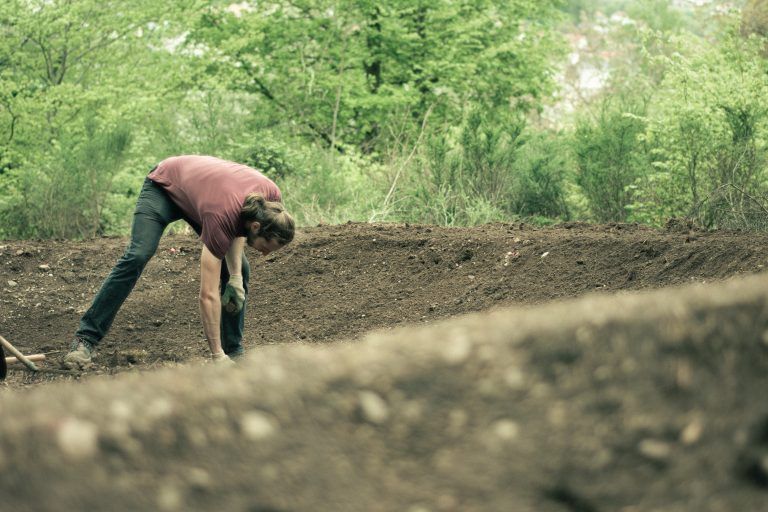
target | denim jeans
x=154, y=211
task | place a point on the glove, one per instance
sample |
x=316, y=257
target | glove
x=233, y=298
x=221, y=358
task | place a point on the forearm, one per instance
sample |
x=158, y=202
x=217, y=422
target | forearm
x=234, y=256
x=210, y=313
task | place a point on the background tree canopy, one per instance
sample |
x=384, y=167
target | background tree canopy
x=450, y=112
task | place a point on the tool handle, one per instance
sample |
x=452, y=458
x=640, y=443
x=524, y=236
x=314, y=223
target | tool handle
x=7, y=344
x=32, y=357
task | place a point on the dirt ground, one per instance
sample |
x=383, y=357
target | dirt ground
x=336, y=282
x=612, y=402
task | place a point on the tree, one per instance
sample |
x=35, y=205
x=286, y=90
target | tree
x=75, y=76
x=341, y=71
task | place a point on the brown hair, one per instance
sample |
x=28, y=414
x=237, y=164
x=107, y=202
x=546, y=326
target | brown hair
x=276, y=223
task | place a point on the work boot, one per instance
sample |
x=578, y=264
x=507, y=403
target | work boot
x=80, y=355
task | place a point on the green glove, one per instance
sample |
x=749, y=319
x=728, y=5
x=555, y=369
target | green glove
x=233, y=299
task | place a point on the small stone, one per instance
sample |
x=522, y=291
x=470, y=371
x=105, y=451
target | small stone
x=199, y=479
x=514, y=378
x=506, y=430
x=169, y=498
x=457, y=349
x=373, y=407
x=257, y=426
x=158, y=408
x=44, y=267
x=13, y=283
x=557, y=414
x=121, y=411
x=545, y=255
x=457, y=421
x=691, y=434
x=655, y=450
x=77, y=438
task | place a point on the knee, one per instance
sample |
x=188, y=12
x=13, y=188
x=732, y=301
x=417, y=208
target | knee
x=138, y=257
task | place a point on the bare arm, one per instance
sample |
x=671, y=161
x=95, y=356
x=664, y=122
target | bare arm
x=234, y=256
x=210, y=303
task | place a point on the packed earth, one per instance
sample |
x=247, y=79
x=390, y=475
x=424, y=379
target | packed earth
x=650, y=401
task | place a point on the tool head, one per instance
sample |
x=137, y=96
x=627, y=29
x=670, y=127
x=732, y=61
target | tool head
x=3, y=365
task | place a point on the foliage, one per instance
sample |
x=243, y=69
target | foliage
x=610, y=157
x=71, y=93
x=342, y=72
x=488, y=169
x=399, y=111
x=332, y=189
x=66, y=197
x=542, y=169
x=708, y=135
x=464, y=176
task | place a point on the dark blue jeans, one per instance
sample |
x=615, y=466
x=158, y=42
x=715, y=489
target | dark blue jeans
x=154, y=211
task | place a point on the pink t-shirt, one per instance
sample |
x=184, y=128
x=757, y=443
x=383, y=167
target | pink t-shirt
x=210, y=192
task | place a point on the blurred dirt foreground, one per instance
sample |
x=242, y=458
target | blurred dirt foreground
x=635, y=401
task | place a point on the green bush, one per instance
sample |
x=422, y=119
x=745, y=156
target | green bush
x=708, y=132
x=542, y=169
x=610, y=156
x=465, y=175
x=330, y=188
x=64, y=196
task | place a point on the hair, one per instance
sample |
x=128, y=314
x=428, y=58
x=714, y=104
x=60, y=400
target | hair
x=276, y=223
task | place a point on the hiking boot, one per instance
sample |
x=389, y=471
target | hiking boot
x=80, y=355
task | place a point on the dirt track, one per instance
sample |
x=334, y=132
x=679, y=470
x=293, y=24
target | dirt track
x=628, y=403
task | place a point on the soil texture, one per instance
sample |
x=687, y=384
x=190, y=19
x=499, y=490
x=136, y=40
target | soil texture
x=336, y=282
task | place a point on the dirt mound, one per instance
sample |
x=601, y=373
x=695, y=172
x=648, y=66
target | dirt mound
x=337, y=282
x=640, y=402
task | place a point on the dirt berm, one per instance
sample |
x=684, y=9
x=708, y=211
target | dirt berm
x=632, y=402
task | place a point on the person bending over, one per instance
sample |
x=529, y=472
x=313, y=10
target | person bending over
x=229, y=205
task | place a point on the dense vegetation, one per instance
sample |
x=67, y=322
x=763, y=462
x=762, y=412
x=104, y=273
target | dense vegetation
x=448, y=112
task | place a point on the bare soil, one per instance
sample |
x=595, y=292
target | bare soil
x=617, y=401
x=336, y=282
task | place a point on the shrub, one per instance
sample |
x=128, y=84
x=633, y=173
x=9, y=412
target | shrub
x=63, y=197
x=464, y=176
x=610, y=157
x=709, y=141
x=542, y=168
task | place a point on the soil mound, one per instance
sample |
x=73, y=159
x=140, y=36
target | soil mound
x=639, y=402
x=336, y=282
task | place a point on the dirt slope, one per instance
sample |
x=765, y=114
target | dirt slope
x=336, y=282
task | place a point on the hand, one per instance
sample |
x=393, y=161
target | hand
x=233, y=299
x=221, y=358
